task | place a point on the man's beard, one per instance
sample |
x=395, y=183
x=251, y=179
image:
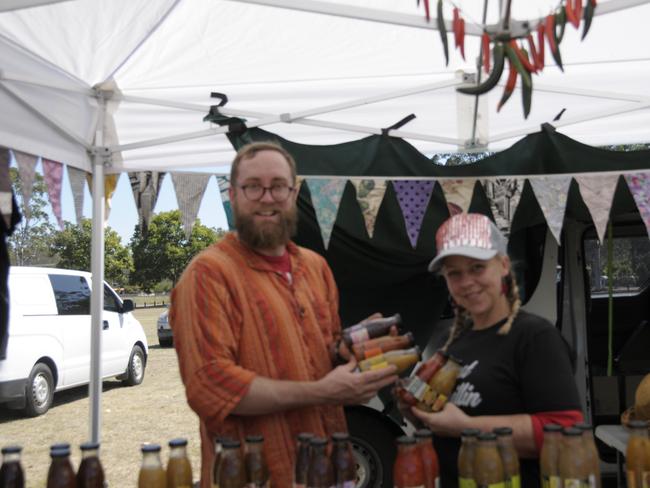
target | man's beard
x=266, y=235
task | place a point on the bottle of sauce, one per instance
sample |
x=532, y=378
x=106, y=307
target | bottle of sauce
x=217, y=460
x=90, y=473
x=257, y=472
x=374, y=347
x=488, y=467
x=11, y=472
x=635, y=454
x=509, y=457
x=179, y=469
x=232, y=471
x=345, y=468
x=574, y=468
x=320, y=473
x=152, y=473
x=549, y=458
x=408, y=471
x=591, y=452
x=370, y=329
x=424, y=439
x=61, y=474
x=303, y=455
x=403, y=359
x=418, y=385
x=466, y=455
x=441, y=385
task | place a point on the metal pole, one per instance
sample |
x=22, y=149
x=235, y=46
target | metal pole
x=479, y=67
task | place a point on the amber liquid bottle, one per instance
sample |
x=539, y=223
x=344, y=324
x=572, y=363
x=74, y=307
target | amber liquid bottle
x=488, y=467
x=345, y=468
x=257, y=471
x=321, y=472
x=375, y=347
x=549, y=458
x=509, y=457
x=152, y=473
x=303, y=456
x=418, y=385
x=573, y=464
x=90, y=473
x=232, y=470
x=424, y=439
x=370, y=329
x=403, y=359
x=441, y=386
x=591, y=452
x=408, y=471
x=61, y=474
x=466, y=455
x=636, y=461
x=11, y=472
x=179, y=468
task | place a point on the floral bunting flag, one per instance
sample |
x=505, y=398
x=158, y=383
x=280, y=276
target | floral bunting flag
x=458, y=194
x=504, y=195
x=224, y=188
x=77, y=179
x=53, y=174
x=325, y=198
x=598, y=194
x=370, y=194
x=639, y=185
x=146, y=188
x=189, y=193
x=6, y=205
x=551, y=193
x=27, y=173
x=413, y=197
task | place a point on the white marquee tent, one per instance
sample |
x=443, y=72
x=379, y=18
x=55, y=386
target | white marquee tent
x=121, y=85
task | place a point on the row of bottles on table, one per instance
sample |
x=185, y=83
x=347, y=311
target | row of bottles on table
x=416, y=464
x=488, y=459
x=179, y=469
x=233, y=468
x=315, y=468
x=637, y=455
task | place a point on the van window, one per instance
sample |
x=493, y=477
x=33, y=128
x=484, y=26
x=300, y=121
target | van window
x=72, y=294
x=111, y=304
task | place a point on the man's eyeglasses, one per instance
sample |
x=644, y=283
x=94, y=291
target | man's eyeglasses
x=255, y=192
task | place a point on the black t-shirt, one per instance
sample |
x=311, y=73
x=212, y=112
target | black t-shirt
x=527, y=370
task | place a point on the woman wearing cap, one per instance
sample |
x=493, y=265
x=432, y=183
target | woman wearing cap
x=517, y=370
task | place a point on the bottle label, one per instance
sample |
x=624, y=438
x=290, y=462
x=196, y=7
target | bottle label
x=573, y=483
x=439, y=403
x=437, y=483
x=592, y=481
x=466, y=483
x=514, y=482
x=360, y=335
x=551, y=482
x=381, y=365
x=417, y=387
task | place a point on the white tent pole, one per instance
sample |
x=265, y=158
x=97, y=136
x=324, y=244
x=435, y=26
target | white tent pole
x=97, y=270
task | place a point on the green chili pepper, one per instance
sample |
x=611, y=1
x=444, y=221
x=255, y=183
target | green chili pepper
x=526, y=80
x=589, y=14
x=443, y=32
x=495, y=75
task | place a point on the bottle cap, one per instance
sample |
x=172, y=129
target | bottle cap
x=487, y=436
x=405, y=439
x=470, y=432
x=254, y=439
x=318, y=441
x=583, y=426
x=423, y=433
x=150, y=448
x=11, y=449
x=231, y=444
x=552, y=428
x=499, y=431
x=572, y=431
x=60, y=452
x=89, y=446
x=60, y=445
x=305, y=436
x=637, y=424
x=340, y=436
x=178, y=442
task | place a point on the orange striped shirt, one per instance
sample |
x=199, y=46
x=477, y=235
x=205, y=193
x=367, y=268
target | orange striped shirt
x=233, y=318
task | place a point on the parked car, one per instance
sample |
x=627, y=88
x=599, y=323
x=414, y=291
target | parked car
x=165, y=335
x=49, y=337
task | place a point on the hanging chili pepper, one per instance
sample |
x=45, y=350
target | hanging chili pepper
x=560, y=23
x=485, y=50
x=570, y=13
x=533, y=52
x=523, y=58
x=498, y=54
x=443, y=31
x=455, y=25
x=427, y=14
x=589, y=14
x=510, y=85
x=552, y=43
x=540, y=44
x=526, y=80
x=577, y=8
x=461, y=37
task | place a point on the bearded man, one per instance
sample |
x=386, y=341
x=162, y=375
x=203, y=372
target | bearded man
x=253, y=316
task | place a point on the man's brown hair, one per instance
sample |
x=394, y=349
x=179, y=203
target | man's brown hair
x=250, y=150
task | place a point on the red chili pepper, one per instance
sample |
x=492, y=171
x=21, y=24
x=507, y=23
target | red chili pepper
x=455, y=25
x=426, y=10
x=522, y=57
x=550, y=37
x=461, y=37
x=571, y=14
x=533, y=52
x=540, y=45
x=510, y=86
x=485, y=40
x=577, y=8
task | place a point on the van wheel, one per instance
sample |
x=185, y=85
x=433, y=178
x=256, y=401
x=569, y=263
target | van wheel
x=135, y=368
x=39, y=391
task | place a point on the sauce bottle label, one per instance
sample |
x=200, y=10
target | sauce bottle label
x=514, y=482
x=417, y=387
x=466, y=483
x=573, y=483
x=360, y=335
x=381, y=365
x=551, y=482
x=592, y=481
x=439, y=403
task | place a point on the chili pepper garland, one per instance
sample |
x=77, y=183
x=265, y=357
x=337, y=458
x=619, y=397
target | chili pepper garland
x=521, y=64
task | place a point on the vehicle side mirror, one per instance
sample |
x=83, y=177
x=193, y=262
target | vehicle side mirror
x=127, y=305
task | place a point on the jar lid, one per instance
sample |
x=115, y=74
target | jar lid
x=318, y=441
x=583, y=426
x=423, y=433
x=11, y=449
x=60, y=452
x=499, y=431
x=487, y=436
x=470, y=432
x=178, y=442
x=572, y=431
x=552, y=428
x=340, y=436
x=305, y=436
x=89, y=446
x=231, y=444
x=150, y=448
x=637, y=424
x=405, y=439
x=254, y=439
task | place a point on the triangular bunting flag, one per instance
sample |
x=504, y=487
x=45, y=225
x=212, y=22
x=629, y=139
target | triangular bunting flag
x=325, y=198
x=110, y=183
x=189, y=193
x=224, y=187
x=504, y=195
x=53, y=174
x=458, y=194
x=370, y=194
x=413, y=197
x=146, y=187
x=27, y=173
x=77, y=179
x=598, y=194
x=5, y=188
x=551, y=193
x=639, y=184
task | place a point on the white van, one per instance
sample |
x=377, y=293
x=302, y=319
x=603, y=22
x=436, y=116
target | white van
x=49, y=337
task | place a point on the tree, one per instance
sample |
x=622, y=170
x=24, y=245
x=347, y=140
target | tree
x=165, y=251
x=72, y=246
x=29, y=245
